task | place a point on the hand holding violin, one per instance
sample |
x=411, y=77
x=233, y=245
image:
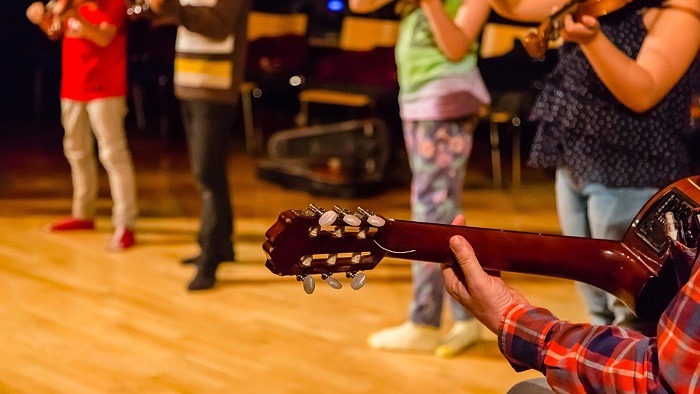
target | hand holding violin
x=575, y=21
x=580, y=31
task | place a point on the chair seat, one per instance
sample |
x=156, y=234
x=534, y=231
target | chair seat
x=327, y=96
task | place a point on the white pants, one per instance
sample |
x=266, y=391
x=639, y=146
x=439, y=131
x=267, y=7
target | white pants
x=105, y=119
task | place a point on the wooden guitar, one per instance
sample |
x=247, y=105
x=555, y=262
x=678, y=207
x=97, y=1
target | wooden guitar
x=640, y=270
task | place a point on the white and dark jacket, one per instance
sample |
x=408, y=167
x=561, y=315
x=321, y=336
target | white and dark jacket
x=210, y=48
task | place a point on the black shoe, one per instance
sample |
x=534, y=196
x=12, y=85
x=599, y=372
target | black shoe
x=205, y=277
x=196, y=259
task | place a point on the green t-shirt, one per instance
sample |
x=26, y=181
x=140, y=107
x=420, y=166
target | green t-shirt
x=418, y=58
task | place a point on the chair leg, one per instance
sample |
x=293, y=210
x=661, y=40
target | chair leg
x=516, y=157
x=137, y=93
x=495, y=154
x=164, y=105
x=251, y=140
x=302, y=118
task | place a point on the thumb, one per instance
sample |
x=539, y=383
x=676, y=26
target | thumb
x=464, y=254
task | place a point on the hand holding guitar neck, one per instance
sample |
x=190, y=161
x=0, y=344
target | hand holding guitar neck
x=641, y=270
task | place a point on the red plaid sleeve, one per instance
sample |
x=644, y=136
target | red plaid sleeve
x=581, y=358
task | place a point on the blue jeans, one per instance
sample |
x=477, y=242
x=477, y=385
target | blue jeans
x=208, y=127
x=597, y=211
x=438, y=152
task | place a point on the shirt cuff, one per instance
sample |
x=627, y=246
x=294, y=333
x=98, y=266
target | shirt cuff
x=522, y=335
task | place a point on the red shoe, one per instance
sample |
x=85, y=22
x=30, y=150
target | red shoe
x=72, y=223
x=123, y=238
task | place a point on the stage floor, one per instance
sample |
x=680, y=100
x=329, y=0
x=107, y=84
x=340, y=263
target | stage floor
x=79, y=319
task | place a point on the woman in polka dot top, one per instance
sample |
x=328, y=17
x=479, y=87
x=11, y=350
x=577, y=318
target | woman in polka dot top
x=612, y=118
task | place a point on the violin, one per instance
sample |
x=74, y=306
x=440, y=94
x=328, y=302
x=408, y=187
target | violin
x=537, y=41
x=55, y=9
x=136, y=8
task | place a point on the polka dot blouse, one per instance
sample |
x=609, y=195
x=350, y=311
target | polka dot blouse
x=581, y=125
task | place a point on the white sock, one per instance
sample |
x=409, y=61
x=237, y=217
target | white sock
x=462, y=335
x=406, y=337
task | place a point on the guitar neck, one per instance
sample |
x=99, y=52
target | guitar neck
x=608, y=265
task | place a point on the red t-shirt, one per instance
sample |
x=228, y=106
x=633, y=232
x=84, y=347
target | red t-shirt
x=89, y=71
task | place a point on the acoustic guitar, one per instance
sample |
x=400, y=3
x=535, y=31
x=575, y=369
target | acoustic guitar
x=640, y=270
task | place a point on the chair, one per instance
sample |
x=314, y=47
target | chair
x=276, y=52
x=360, y=72
x=510, y=99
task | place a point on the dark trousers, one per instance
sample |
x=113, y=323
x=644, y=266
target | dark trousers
x=208, y=128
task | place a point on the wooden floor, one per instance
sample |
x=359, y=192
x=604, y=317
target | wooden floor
x=78, y=319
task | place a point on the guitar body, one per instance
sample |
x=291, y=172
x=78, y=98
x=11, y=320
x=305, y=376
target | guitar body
x=639, y=270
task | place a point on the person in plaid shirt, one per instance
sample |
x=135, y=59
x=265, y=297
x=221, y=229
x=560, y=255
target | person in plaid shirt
x=583, y=358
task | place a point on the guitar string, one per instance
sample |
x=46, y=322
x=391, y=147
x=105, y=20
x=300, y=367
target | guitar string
x=393, y=251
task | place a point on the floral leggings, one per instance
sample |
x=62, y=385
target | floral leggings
x=438, y=152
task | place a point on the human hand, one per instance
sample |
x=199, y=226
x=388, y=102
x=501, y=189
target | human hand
x=486, y=297
x=35, y=12
x=582, y=31
x=155, y=5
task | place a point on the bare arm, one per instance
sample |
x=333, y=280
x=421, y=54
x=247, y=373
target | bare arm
x=367, y=6
x=669, y=48
x=456, y=37
x=36, y=13
x=77, y=26
x=526, y=10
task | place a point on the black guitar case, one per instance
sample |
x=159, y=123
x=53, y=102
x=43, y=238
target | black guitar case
x=346, y=159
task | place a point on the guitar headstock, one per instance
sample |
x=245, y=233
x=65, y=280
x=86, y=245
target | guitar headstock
x=315, y=241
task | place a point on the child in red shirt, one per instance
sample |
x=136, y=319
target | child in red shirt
x=93, y=106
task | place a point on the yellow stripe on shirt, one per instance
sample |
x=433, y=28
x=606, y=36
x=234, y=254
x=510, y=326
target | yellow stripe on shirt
x=201, y=73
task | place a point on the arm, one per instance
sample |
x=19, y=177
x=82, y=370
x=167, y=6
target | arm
x=36, y=13
x=455, y=38
x=571, y=355
x=669, y=48
x=526, y=10
x=574, y=357
x=77, y=26
x=367, y=6
x=215, y=22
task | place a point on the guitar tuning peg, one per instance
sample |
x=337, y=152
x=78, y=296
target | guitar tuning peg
x=314, y=210
x=332, y=259
x=328, y=218
x=309, y=284
x=306, y=261
x=372, y=219
x=362, y=234
x=358, y=280
x=348, y=218
x=332, y=282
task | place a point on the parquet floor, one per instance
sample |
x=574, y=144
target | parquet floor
x=78, y=319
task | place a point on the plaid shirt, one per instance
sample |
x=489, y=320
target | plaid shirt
x=583, y=358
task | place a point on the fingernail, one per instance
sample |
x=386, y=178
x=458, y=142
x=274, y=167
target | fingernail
x=456, y=241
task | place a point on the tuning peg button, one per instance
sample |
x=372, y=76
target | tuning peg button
x=332, y=282
x=309, y=284
x=328, y=218
x=372, y=219
x=352, y=220
x=376, y=221
x=358, y=281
